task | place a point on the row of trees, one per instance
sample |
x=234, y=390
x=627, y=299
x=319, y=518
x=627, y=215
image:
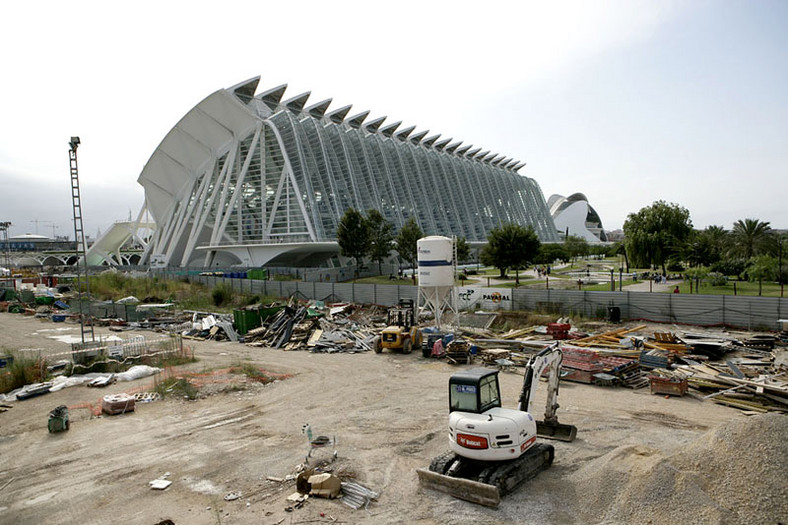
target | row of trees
x=662, y=236
x=508, y=247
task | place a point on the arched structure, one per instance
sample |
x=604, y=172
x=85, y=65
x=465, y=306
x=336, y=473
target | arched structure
x=573, y=214
x=251, y=179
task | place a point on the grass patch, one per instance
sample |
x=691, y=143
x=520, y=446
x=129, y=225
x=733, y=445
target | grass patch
x=187, y=295
x=253, y=373
x=176, y=387
x=23, y=371
x=742, y=288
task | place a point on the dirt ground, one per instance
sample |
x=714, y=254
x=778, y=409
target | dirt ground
x=388, y=413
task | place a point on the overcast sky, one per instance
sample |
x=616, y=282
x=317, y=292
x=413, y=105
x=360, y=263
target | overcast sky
x=627, y=102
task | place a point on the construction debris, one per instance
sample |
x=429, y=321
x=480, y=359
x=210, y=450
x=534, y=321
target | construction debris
x=356, y=496
x=114, y=404
x=315, y=329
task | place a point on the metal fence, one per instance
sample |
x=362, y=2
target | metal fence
x=703, y=310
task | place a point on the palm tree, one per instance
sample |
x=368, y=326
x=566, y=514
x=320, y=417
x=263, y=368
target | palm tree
x=750, y=237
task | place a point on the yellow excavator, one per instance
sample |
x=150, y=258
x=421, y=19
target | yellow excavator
x=401, y=332
x=494, y=449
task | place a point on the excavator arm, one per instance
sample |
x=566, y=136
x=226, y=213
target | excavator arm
x=549, y=428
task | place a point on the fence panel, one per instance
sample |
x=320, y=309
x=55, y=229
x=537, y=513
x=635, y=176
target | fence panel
x=744, y=312
x=324, y=291
x=365, y=293
x=387, y=295
x=343, y=292
x=695, y=309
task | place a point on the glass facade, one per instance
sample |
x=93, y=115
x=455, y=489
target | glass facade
x=286, y=174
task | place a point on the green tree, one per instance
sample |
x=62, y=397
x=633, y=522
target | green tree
x=750, y=237
x=551, y=252
x=463, y=250
x=406, y=245
x=510, y=246
x=576, y=246
x=656, y=233
x=353, y=236
x=381, y=237
x=762, y=268
x=717, y=238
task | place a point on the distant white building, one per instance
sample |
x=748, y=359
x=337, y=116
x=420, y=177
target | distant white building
x=574, y=215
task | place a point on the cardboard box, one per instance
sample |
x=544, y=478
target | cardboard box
x=324, y=485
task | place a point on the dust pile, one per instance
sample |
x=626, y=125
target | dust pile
x=735, y=474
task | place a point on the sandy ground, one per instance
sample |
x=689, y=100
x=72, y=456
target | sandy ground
x=388, y=413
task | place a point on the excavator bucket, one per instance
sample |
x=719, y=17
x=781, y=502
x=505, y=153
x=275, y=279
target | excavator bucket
x=473, y=491
x=556, y=431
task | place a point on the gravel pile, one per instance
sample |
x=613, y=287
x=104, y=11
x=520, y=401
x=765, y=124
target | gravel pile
x=734, y=474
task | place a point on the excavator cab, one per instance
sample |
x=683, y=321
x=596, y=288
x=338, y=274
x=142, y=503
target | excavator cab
x=474, y=391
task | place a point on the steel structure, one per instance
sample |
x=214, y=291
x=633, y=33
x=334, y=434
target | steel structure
x=251, y=179
x=81, y=246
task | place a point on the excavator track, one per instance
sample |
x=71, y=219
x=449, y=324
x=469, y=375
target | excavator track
x=507, y=476
x=482, y=482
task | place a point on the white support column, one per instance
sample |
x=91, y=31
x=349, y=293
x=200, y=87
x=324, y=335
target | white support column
x=240, y=180
x=217, y=233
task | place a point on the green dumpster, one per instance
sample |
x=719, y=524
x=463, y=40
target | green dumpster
x=246, y=320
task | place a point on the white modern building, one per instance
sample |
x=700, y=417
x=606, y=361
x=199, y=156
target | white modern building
x=252, y=179
x=575, y=215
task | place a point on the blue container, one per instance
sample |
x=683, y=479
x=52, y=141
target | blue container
x=58, y=318
x=242, y=275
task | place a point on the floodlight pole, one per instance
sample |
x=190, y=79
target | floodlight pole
x=4, y=229
x=780, y=263
x=81, y=245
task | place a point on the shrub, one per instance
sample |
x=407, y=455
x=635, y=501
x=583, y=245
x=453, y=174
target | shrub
x=730, y=267
x=717, y=279
x=221, y=294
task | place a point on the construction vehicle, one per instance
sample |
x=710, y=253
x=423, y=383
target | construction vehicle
x=401, y=332
x=494, y=449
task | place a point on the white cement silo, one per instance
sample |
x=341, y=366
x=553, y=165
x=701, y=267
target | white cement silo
x=437, y=268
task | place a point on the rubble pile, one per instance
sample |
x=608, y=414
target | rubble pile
x=317, y=328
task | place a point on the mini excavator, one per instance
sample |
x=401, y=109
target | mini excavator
x=494, y=449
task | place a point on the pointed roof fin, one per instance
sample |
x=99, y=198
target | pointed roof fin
x=245, y=90
x=451, y=147
x=356, y=120
x=338, y=115
x=319, y=109
x=272, y=96
x=296, y=104
x=403, y=133
x=418, y=136
x=373, y=125
x=429, y=140
x=389, y=130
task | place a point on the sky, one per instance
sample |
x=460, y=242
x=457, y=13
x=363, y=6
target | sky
x=627, y=102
